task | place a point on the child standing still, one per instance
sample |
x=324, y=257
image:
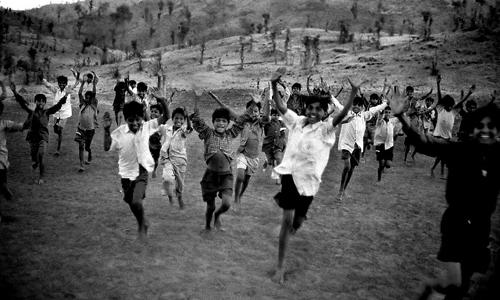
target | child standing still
x=173, y=154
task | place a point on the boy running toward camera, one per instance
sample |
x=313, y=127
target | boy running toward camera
x=87, y=123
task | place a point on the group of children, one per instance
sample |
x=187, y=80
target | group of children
x=296, y=132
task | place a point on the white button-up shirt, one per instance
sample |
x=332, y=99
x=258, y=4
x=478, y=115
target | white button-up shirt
x=65, y=111
x=307, y=151
x=384, y=132
x=352, y=132
x=133, y=148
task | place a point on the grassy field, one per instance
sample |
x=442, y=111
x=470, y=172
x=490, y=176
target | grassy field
x=75, y=238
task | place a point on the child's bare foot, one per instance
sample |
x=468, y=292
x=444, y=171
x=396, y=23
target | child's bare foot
x=205, y=231
x=40, y=181
x=87, y=162
x=57, y=153
x=81, y=169
x=218, y=225
x=279, y=276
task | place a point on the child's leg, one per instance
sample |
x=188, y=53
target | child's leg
x=134, y=192
x=169, y=180
x=238, y=186
x=346, y=157
x=210, y=200
x=179, y=173
x=58, y=129
x=246, y=180
x=40, y=154
x=81, y=147
x=286, y=229
x=226, y=196
x=117, y=116
x=436, y=162
x=381, y=166
x=89, y=136
x=4, y=189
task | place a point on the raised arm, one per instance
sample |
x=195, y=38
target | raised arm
x=80, y=95
x=438, y=84
x=49, y=85
x=266, y=111
x=354, y=90
x=22, y=102
x=464, y=98
x=164, y=105
x=276, y=97
x=307, y=84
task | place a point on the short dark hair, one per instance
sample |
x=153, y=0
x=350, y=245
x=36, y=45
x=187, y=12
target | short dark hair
x=359, y=101
x=322, y=100
x=374, y=96
x=157, y=106
x=470, y=102
x=89, y=75
x=40, y=97
x=297, y=86
x=274, y=111
x=179, y=110
x=133, y=109
x=132, y=82
x=141, y=86
x=90, y=94
x=429, y=99
x=62, y=79
x=447, y=101
x=221, y=113
x=410, y=89
x=252, y=102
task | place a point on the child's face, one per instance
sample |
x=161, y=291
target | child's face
x=40, y=104
x=428, y=103
x=134, y=123
x=62, y=85
x=220, y=124
x=471, y=107
x=409, y=93
x=356, y=108
x=155, y=113
x=314, y=113
x=295, y=91
x=179, y=119
x=89, y=80
x=387, y=113
x=485, y=132
x=275, y=117
x=254, y=112
x=373, y=101
x=141, y=94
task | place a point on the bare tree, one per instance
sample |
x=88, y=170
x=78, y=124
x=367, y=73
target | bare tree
x=161, y=5
x=170, y=6
x=59, y=10
x=91, y=6
x=266, y=17
x=103, y=8
x=427, y=16
x=287, y=44
x=79, y=10
x=202, y=51
x=354, y=9
x=242, y=52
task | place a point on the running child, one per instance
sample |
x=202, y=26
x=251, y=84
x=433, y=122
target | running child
x=87, y=123
x=274, y=143
x=218, y=154
x=119, y=100
x=173, y=154
x=308, y=148
x=383, y=140
x=61, y=117
x=38, y=132
x=131, y=141
x=155, y=140
x=5, y=127
x=472, y=190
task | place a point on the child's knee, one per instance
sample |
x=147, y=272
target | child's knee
x=388, y=164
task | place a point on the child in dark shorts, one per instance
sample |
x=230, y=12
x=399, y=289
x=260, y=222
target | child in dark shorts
x=218, y=154
x=310, y=140
x=274, y=142
x=87, y=122
x=384, y=141
x=119, y=101
x=472, y=190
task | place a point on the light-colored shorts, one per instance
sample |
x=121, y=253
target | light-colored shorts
x=174, y=171
x=250, y=165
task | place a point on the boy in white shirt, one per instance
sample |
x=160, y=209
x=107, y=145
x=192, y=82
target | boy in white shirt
x=173, y=154
x=384, y=140
x=351, y=139
x=306, y=155
x=131, y=140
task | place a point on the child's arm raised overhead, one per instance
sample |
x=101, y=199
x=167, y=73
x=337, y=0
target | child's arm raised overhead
x=164, y=104
x=22, y=102
x=198, y=124
x=276, y=97
x=52, y=88
x=80, y=96
x=438, y=84
x=307, y=84
x=462, y=98
x=234, y=115
x=354, y=90
x=266, y=111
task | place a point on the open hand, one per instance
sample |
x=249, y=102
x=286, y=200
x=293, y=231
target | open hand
x=398, y=102
x=276, y=76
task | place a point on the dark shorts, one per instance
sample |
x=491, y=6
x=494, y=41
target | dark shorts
x=289, y=197
x=155, y=153
x=59, y=124
x=3, y=176
x=37, y=149
x=84, y=136
x=135, y=190
x=384, y=154
x=118, y=107
x=274, y=156
x=354, y=156
x=214, y=182
x=408, y=141
x=465, y=240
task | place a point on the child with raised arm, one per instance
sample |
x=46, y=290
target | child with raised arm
x=173, y=154
x=310, y=140
x=155, y=141
x=252, y=135
x=131, y=141
x=383, y=140
x=472, y=190
x=351, y=140
x=218, y=154
x=87, y=123
x=5, y=127
x=38, y=132
x=64, y=113
x=119, y=100
x=274, y=143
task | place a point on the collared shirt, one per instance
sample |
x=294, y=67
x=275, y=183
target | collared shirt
x=6, y=126
x=384, y=132
x=173, y=143
x=65, y=111
x=307, y=151
x=214, y=141
x=133, y=148
x=272, y=135
x=251, y=138
x=444, y=124
x=352, y=132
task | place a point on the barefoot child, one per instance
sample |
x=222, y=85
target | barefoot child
x=6, y=126
x=307, y=151
x=155, y=139
x=131, y=140
x=173, y=154
x=274, y=143
x=87, y=122
x=471, y=194
x=65, y=112
x=119, y=100
x=38, y=133
x=384, y=141
x=218, y=154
